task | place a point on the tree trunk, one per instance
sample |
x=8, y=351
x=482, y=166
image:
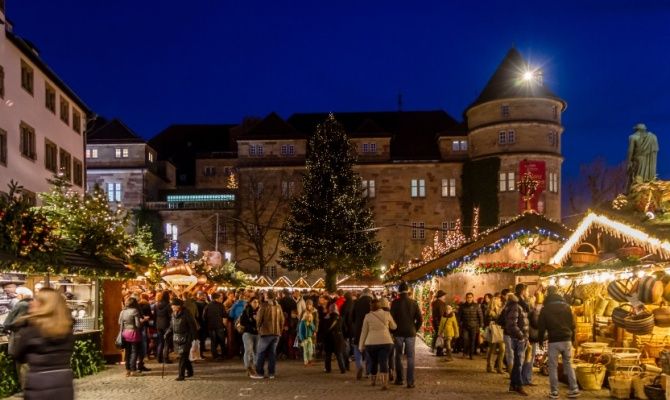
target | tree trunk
x=331, y=280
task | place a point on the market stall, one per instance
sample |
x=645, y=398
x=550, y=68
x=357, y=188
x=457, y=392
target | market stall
x=615, y=274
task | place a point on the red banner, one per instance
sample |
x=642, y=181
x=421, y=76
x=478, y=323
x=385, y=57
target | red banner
x=537, y=170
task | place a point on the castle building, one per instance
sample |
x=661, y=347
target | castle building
x=42, y=120
x=421, y=170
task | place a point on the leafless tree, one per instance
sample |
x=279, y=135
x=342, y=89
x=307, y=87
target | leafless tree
x=264, y=198
x=597, y=184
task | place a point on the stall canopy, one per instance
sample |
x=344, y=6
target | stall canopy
x=654, y=240
x=490, y=241
x=69, y=262
x=352, y=282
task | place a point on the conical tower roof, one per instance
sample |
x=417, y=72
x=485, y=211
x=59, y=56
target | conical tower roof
x=507, y=82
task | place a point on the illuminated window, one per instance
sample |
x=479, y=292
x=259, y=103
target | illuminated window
x=370, y=148
x=114, y=192
x=171, y=231
x=121, y=152
x=369, y=189
x=91, y=153
x=459, y=145
x=418, y=188
x=553, y=182
x=446, y=227
x=507, y=182
x=449, y=187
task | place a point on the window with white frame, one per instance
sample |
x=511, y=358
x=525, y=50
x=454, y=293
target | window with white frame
x=287, y=189
x=418, y=230
x=171, y=231
x=418, y=188
x=91, y=153
x=553, y=182
x=504, y=110
x=459, y=145
x=150, y=156
x=449, y=187
x=121, y=152
x=447, y=226
x=369, y=148
x=506, y=137
x=114, y=192
x=507, y=182
x=287, y=149
x=369, y=189
x=256, y=150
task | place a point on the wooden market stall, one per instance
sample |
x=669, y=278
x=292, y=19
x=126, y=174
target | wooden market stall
x=615, y=273
x=514, y=252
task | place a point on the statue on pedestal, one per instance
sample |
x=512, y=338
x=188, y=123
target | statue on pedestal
x=641, y=159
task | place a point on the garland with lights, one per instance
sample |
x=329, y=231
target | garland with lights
x=422, y=295
x=504, y=266
x=490, y=249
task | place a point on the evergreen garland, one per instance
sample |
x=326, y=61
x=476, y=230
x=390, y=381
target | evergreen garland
x=480, y=189
x=330, y=225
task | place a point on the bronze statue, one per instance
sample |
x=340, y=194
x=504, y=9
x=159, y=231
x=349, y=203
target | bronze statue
x=641, y=159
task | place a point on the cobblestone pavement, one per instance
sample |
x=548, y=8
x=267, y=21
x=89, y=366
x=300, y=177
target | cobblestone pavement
x=460, y=379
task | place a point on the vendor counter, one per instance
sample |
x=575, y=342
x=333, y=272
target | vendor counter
x=86, y=360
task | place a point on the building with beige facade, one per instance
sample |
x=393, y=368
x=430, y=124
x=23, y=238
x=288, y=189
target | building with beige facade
x=421, y=170
x=42, y=120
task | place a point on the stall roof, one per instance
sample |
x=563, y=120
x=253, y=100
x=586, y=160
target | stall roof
x=360, y=282
x=526, y=222
x=653, y=240
x=73, y=262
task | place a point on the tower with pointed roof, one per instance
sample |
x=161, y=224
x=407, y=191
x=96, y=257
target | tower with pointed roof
x=517, y=119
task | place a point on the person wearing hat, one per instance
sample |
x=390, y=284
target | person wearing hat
x=407, y=316
x=437, y=309
x=184, y=331
x=376, y=340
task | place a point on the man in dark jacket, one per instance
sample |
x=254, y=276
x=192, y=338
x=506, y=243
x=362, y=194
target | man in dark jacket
x=437, y=309
x=163, y=316
x=407, y=316
x=214, y=316
x=471, y=319
x=184, y=331
x=360, y=309
x=557, y=320
x=201, y=303
x=516, y=327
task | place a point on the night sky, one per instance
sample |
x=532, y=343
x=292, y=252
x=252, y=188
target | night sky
x=155, y=63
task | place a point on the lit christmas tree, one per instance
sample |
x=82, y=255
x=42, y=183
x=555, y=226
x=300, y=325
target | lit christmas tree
x=232, y=181
x=330, y=226
x=86, y=223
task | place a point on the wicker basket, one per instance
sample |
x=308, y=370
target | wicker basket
x=590, y=256
x=655, y=391
x=640, y=324
x=620, y=386
x=590, y=376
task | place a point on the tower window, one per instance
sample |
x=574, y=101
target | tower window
x=449, y=187
x=418, y=188
x=507, y=182
x=511, y=137
x=459, y=145
x=504, y=110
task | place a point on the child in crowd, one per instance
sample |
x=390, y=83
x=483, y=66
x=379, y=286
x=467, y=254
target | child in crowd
x=448, y=330
x=306, y=330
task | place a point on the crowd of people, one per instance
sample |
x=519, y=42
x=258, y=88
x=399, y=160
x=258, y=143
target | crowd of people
x=508, y=328
x=374, y=329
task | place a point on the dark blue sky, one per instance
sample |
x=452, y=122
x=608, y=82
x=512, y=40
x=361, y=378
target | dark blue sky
x=153, y=63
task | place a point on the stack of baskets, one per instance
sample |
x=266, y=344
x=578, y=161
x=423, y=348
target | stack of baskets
x=621, y=382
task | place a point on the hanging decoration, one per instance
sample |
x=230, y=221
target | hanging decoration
x=504, y=266
x=475, y=223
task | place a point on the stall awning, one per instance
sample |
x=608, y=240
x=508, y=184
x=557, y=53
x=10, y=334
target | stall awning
x=528, y=223
x=69, y=262
x=618, y=227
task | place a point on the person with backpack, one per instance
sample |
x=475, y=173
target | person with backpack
x=557, y=321
x=215, y=317
x=516, y=327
